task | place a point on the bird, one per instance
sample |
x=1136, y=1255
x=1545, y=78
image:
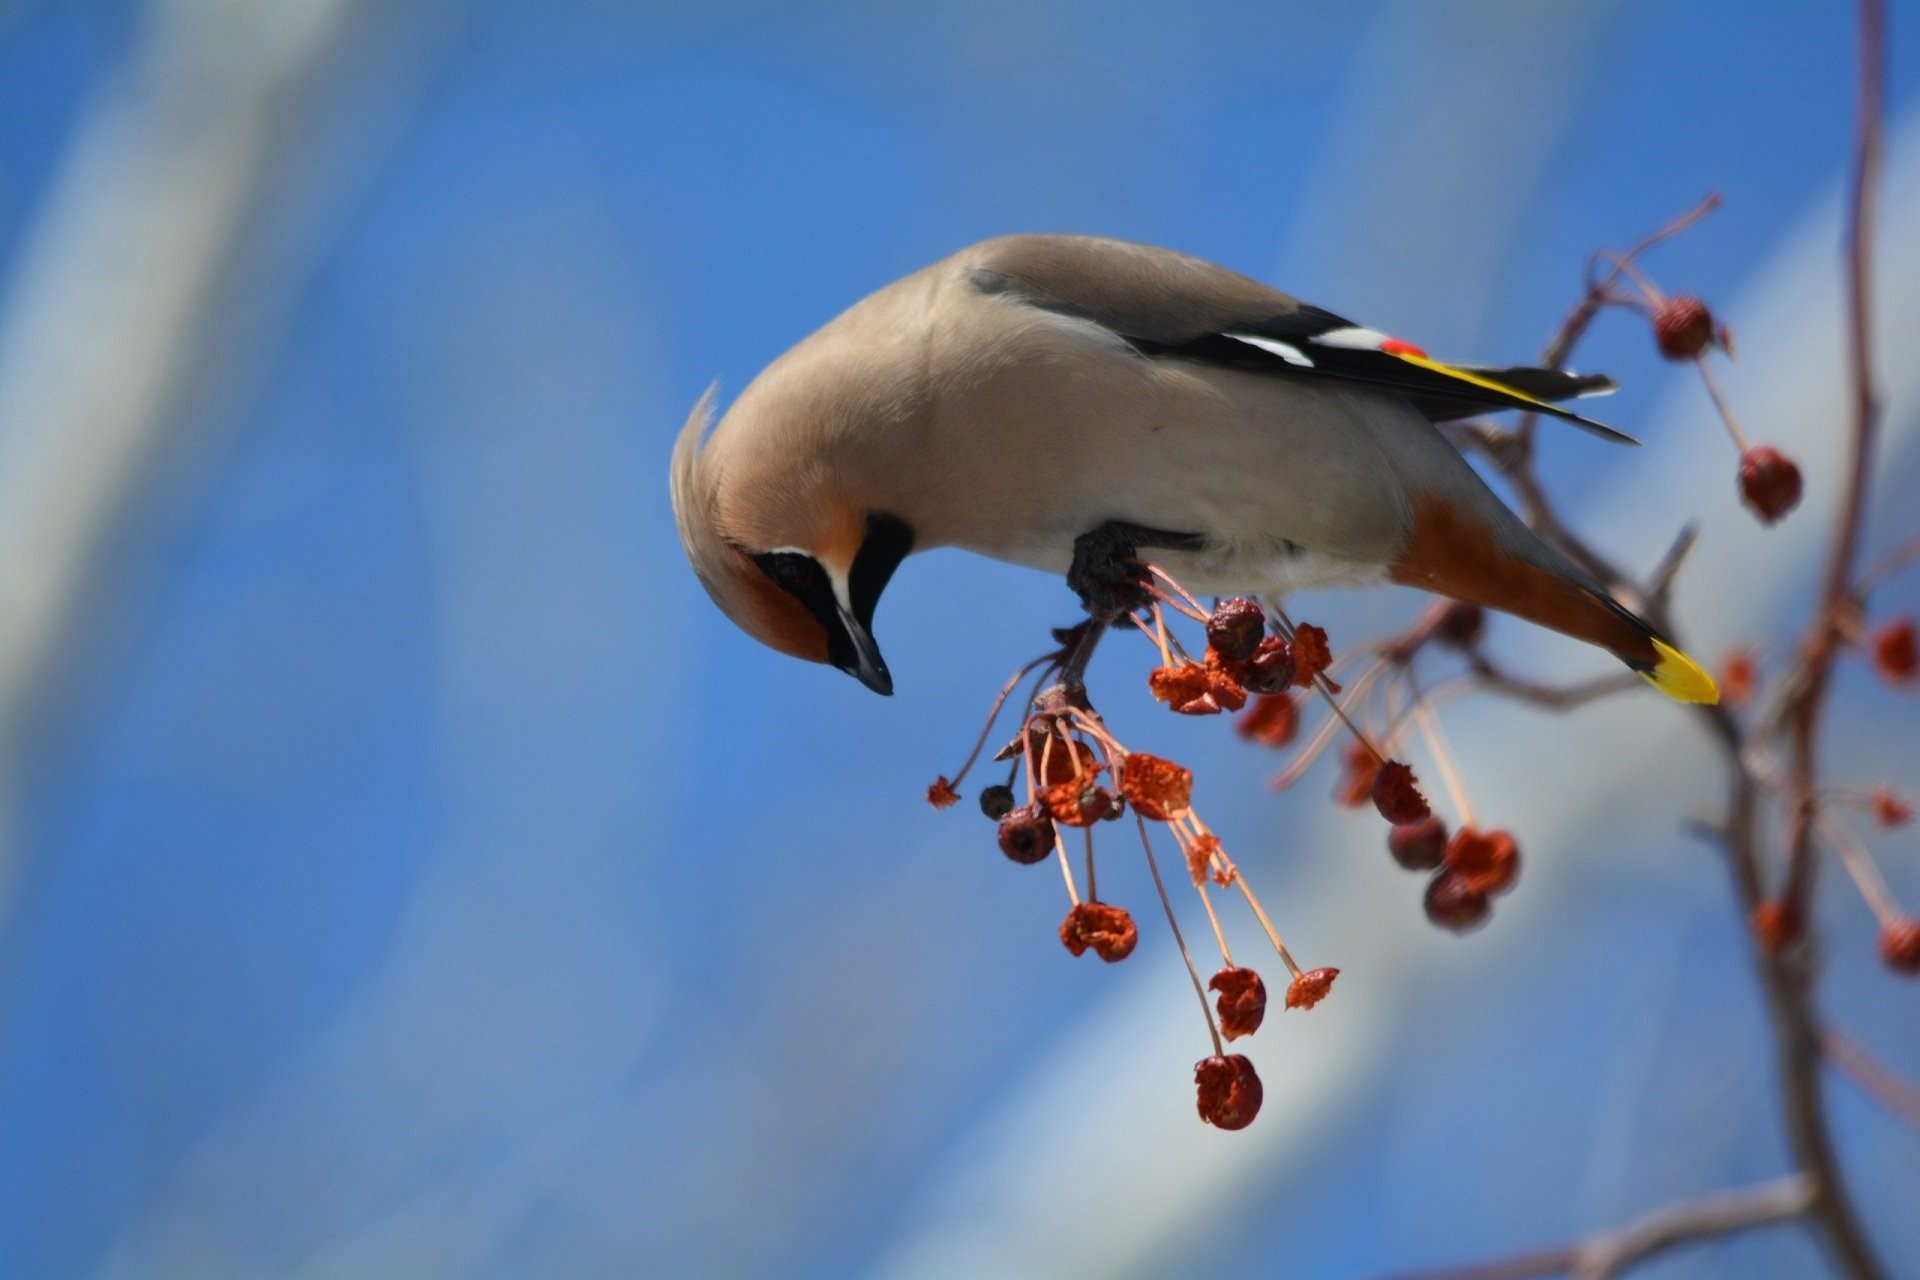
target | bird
x=1077, y=405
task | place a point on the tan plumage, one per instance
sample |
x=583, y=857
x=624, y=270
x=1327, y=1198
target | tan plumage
x=1031, y=389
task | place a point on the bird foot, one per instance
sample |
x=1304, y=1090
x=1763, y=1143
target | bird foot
x=1107, y=573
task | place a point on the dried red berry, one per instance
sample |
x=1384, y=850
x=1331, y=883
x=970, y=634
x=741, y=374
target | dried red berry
x=1270, y=669
x=1360, y=767
x=1896, y=652
x=1272, y=720
x=1900, y=945
x=1419, y=846
x=1200, y=856
x=1224, y=681
x=1242, y=1004
x=1159, y=789
x=1026, y=834
x=1235, y=628
x=1181, y=687
x=1107, y=929
x=1078, y=802
x=1739, y=674
x=1311, y=655
x=1683, y=327
x=1310, y=988
x=1063, y=761
x=1776, y=925
x=1461, y=626
x=1452, y=905
x=941, y=794
x=1889, y=810
x=1230, y=1091
x=996, y=801
x=1769, y=481
x=1485, y=862
x=1397, y=796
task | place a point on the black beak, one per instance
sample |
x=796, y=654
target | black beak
x=860, y=657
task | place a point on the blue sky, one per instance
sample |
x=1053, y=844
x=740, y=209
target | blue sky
x=413, y=873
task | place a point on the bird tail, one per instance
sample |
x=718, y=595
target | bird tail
x=1667, y=668
x=1456, y=557
x=1589, y=613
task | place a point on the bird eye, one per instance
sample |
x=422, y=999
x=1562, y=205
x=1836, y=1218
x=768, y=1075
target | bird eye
x=789, y=569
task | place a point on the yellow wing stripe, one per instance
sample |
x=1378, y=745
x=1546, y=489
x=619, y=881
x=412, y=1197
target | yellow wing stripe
x=1447, y=370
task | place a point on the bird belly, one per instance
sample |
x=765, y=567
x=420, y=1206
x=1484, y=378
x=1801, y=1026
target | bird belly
x=1253, y=567
x=1264, y=568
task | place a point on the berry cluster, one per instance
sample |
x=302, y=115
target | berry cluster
x=1074, y=775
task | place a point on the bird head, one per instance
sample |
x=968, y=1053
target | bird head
x=784, y=552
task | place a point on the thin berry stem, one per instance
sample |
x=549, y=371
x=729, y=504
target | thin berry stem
x=1093, y=886
x=1861, y=870
x=993, y=714
x=1213, y=918
x=1712, y=382
x=1166, y=905
x=1442, y=757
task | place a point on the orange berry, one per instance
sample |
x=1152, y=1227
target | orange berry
x=1107, y=929
x=1310, y=988
x=1242, y=1005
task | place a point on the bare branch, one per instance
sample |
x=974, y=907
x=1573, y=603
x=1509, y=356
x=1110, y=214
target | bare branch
x=1612, y=1253
x=1552, y=697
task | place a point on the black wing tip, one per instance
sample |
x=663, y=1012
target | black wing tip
x=1543, y=386
x=1591, y=427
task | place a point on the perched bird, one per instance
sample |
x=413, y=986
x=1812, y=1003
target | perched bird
x=1067, y=403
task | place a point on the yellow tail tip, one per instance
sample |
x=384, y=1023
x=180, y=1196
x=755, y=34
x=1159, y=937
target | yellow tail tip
x=1680, y=677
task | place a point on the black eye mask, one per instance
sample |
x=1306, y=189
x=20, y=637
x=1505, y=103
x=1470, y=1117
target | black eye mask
x=887, y=543
x=801, y=576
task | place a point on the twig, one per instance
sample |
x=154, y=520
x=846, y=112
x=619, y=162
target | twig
x=1611, y=1253
x=1823, y=637
x=1889, y=565
x=1599, y=293
x=1867, y=1071
x=1565, y=697
x=1786, y=979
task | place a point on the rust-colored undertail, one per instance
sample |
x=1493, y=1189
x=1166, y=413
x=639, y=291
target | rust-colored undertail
x=1455, y=555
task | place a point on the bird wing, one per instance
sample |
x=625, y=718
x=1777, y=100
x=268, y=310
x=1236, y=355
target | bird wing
x=1169, y=305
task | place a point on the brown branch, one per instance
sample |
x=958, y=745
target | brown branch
x=1495, y=679
x=1599, y=294
x=1816, y=1191
x=1786, y=978
x=1825, y=629
x=1611, y=1253
x=1660, y=581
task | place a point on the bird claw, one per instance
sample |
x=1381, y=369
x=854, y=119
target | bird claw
x=1107, y=573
